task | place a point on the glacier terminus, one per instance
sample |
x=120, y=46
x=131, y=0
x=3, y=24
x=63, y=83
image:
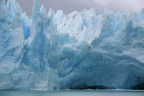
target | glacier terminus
x=81, y=50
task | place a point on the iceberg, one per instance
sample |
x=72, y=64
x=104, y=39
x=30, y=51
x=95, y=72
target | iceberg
x=81, y=50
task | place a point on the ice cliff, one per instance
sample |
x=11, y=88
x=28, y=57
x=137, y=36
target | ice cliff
x=81, y=50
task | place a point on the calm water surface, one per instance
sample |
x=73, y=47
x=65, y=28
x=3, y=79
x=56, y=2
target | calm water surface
x=72, y=93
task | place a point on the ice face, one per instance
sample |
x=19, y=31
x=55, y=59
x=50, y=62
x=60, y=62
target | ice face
x=81, y=50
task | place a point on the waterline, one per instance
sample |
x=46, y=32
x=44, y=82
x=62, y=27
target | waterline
x=71, y=93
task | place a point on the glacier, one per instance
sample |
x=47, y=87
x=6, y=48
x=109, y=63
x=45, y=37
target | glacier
x=81, y=50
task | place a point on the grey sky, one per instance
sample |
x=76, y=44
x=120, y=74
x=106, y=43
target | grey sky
x=70, y=5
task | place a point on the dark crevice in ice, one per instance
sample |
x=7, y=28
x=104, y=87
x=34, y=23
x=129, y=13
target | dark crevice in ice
x=85, y=87
x=138, y=87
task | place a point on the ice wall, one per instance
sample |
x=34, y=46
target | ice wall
x=81, y=50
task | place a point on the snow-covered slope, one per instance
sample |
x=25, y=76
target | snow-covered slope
x=80, y=50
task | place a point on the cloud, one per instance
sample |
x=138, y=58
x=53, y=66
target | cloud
x=71, y=5
x=66, y=5
x=121, y=5
x=101, y=2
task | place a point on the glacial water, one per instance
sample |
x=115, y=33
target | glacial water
x=72, y=93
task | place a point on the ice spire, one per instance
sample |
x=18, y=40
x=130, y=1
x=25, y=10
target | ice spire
x=26, y=25
x=36, y=9
x=2, y=8
x=43, y=10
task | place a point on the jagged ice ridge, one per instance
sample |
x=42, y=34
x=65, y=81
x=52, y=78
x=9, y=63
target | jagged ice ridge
x=81, y=50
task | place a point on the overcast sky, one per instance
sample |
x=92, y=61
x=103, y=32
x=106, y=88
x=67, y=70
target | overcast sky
x=70, y=5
